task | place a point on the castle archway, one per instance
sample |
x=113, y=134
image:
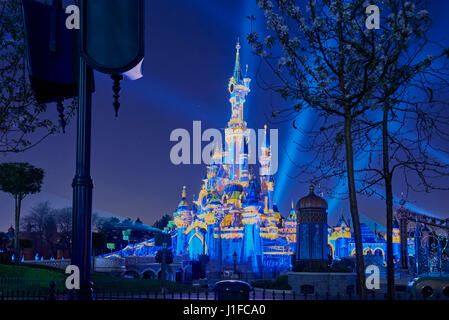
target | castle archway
x=149, y=274
x=179, y=275
x=195, y=246
x=378, y=252
x=131, y=274
x=331, y=250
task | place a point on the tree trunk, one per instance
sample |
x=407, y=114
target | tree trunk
x=388, y=201
x=18, y=203
x=353, y=207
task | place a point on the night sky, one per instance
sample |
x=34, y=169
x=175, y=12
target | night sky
x=190, y=52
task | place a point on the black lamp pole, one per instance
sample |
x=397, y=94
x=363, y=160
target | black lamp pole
x=82, y=183
x=95, y=55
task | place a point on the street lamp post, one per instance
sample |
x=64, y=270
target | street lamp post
x=111, y=40
x=119, y=27
x=82, y=185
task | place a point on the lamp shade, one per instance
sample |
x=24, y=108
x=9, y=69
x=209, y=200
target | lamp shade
x=112, y=34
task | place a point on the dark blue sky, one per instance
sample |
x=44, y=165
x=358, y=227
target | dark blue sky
x=190, y=51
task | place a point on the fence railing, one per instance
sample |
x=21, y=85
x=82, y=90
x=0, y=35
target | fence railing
x=56, y=294
x=28, y=289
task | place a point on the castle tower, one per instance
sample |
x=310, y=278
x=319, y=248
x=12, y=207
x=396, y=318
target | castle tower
x=402, y=215
x=182, y=218
x=340, y=238
x=266, y=179
x=290, y=226
x=311, y=239
x=236, y=131
x=213, y=170
x=232, y=214
x=396, y=240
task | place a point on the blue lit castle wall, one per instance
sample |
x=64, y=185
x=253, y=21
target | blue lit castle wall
x=342, y=243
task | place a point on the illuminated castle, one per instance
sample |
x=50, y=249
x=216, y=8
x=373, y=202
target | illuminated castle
x=234, y=216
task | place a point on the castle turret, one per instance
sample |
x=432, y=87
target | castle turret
x=292, y=214
x=183, y=216
x=312, y=244
x=340, y=237
x=290, y=227
x=266, y=179
x=232, y=218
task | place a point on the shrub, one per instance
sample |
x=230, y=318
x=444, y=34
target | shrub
x=280, y=283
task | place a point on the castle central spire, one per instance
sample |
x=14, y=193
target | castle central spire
x=236, y=132
x=238, y=88
x=237, y=72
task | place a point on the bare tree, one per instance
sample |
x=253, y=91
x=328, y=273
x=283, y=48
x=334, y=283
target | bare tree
x=333, y=65
x=327, y=63
x=405, y=140
x=42, y=222
x=64, y=224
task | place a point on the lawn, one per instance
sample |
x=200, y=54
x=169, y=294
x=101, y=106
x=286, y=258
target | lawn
x=108, y=283
x=25, y=278
x=33, y=278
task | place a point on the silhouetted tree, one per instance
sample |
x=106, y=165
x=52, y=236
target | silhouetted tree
x=19, y=179
x=98, y=242
x=3, y=241
x=162, y=222
x=159, y=238
x=42, y=222
x=406, y=138
x=409, y=119
x=327, y=59
x=64, y=223
x=111, y=228
x=140, y=232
